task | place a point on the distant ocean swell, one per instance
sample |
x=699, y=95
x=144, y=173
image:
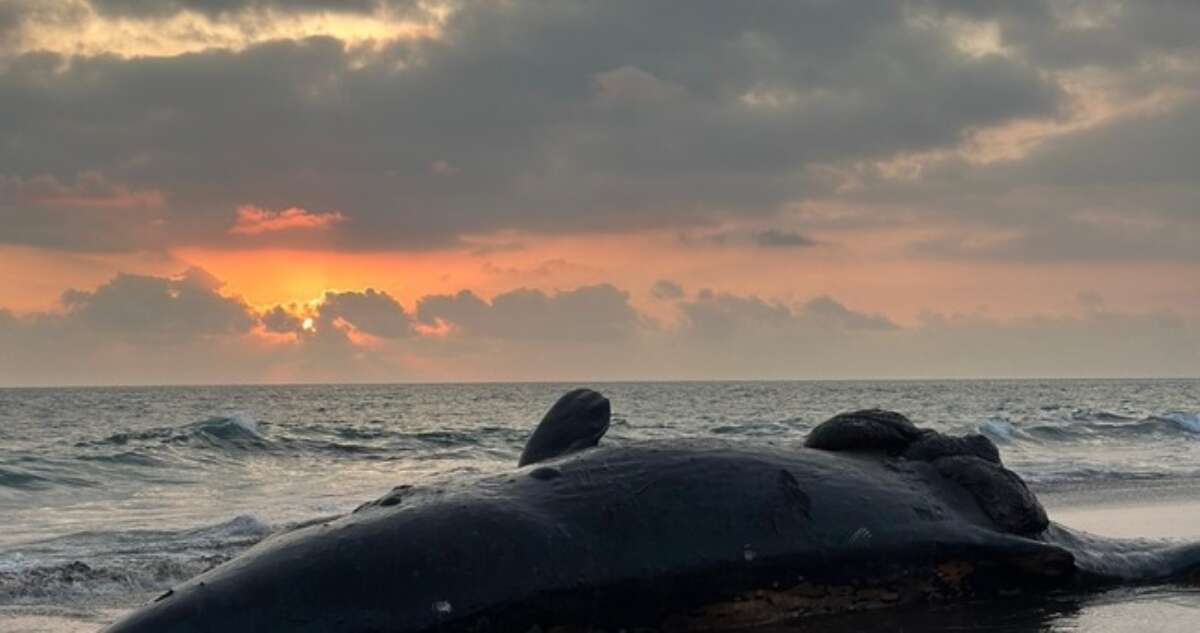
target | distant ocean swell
x=240, y=435
x=155, y=452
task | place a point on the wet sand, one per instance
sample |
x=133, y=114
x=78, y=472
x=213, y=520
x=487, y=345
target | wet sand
x=1133, y=511
x=1141, y=511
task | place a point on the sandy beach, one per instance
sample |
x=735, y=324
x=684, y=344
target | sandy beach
x=1169, y=511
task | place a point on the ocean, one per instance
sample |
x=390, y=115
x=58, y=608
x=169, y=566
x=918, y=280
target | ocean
x=108, y=495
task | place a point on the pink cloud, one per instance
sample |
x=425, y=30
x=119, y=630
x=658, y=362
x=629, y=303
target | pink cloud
x=252, y=220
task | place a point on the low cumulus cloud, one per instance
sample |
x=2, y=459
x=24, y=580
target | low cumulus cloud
x=370, y=311
x=776, y=238
x=281, y=320
x=185, y=329
x=828, y=309
x=585, y=314
x=719, y=316
x=667, y=290
x=158, y=309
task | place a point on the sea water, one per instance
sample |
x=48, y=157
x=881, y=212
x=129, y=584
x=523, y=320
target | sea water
x=110, y=494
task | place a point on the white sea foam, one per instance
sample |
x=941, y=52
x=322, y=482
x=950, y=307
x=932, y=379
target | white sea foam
x=246, y=422
x=1186, y=420
x=999, y=429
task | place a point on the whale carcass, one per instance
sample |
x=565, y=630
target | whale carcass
x=674, y=535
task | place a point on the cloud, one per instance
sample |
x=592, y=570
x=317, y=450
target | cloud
x=159, y=309
x=1153, y=148
x=252, y=220
x=85, y=212
x=586, y=314
x=10, y=16
x=1122, y=191
x=1090, y=299
x=715, y=316
x=142, y=329
x=655, y=120
x=281, y=320
x=948, y=136
x=159, y=8
x=1118, y=191
x=1071, y=34
x=667, y=290
x=726, y=335
x=370, y=311
x=1109, y=179
x=442, y=168
x=776, y=238
x=1100, y=343
x=827, y=308
x=146, y=329
x=630, y=86
x=149, y=28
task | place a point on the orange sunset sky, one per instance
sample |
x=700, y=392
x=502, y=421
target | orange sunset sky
x=199, y=191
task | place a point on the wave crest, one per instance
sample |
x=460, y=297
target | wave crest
x=1091, y=427
x=231, y=432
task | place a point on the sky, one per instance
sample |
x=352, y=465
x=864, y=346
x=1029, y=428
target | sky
x=277, y=191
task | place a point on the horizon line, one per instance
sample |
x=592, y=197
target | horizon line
x=664, y=381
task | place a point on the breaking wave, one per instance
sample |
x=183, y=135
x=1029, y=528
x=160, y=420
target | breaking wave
x=1091, y=427
x=114, y=563
x=229, y=432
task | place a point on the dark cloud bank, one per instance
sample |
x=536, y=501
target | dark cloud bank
x=572, y=116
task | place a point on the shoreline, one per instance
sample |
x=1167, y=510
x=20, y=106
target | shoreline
x=1151, y=510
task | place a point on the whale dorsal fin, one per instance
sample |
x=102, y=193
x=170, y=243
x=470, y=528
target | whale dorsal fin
x=577, y=421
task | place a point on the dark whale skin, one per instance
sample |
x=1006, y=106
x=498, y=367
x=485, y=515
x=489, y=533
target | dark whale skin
x=673, y=534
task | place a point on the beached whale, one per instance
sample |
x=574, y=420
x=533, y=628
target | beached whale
x=676, y=535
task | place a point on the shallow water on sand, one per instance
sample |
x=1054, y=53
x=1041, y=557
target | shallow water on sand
x=109, y=495
x=1165, y=513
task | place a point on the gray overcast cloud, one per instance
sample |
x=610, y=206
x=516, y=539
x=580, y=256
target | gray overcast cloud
x=541, y=116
